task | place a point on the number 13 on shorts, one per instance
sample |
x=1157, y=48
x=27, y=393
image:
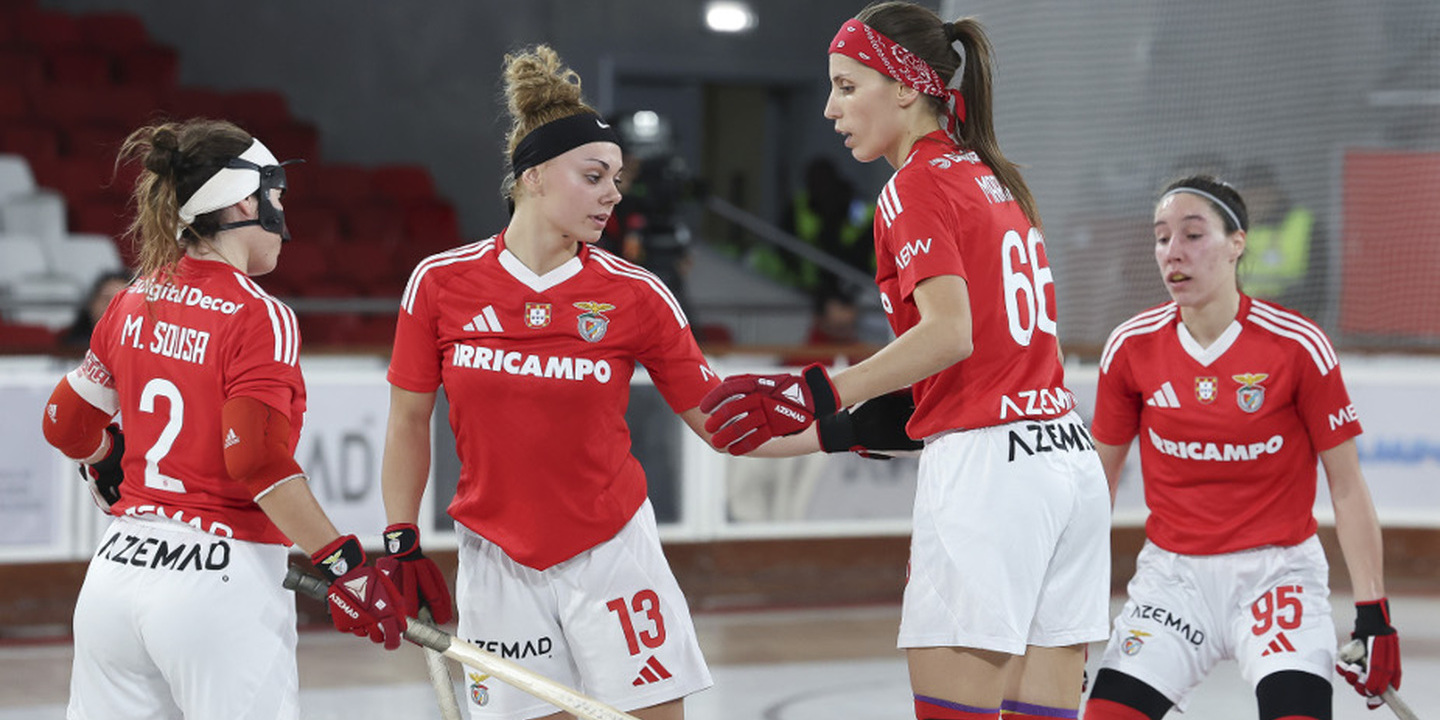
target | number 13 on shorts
x=640, y=620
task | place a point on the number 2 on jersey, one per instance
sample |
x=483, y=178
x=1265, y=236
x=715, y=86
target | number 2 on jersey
x=160, y=387
x=1027, y=276
x=646, y=603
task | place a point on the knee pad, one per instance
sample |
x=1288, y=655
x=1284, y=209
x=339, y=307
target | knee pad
x=928, y=708
x=1118, y=696
x=1294, y=694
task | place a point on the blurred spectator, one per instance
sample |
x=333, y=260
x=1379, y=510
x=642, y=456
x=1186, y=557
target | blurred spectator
x=105, y=287
x=1284, y=250
x=622, y=234
x=834, y=330
x=829, y=214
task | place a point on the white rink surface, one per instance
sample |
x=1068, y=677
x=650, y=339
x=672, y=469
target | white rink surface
x=335, y=685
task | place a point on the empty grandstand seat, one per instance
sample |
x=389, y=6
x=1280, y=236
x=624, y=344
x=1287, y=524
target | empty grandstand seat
x=38, y=142
x=40, y=214
x=83, y=177
x=15, y=176
x=47, y=301
x=112, y=31
x=403, y=182
x=47, y=29
x=364, y=263
x=22, y=66
x=101, y=215
x=289, y=140
x=85, y=67
x=432, y=224
x=257, y=108
x=301, y=264
x=24, y=258
x=83, y=257
x=154, y=65
x=314, y=224
x=14, y=103
x=97, y=140
x=339, y=184
x=375, y=221
x=184, y=103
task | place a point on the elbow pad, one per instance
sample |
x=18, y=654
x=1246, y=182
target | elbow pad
x=71, y=424
x=256, y=439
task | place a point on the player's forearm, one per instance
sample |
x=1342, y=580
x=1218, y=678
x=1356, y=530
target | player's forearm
x=1357, y=527
x=405, y=467
x=942, y=338
x=1112, y=459
x=294, y=509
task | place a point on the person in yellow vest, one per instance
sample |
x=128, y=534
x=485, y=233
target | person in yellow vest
x=1284, y=255
x=829, y=214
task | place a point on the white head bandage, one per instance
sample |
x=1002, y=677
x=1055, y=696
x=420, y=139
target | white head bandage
x=228, y=186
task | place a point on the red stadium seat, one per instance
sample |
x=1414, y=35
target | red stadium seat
x=403, y=182
x=338, y=184
x=95, y=140
x=14, y=102
x=38, y=142
x=22, y=338
x=314, y=225
x=432, y=224
x=99, y=214
x=302, y=265
x=86, y=67
x=81, y=179
x=112, y=31
x=289, y=140
x=47, y=29
x=153, y=65
x=256, y=108
x=365, y=264
x=376, y=222
x=22, y=66
x=183, y=103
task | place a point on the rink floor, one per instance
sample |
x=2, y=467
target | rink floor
x=837, y=664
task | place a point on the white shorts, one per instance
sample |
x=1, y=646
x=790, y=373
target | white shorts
x=1268, y=608
x=1011, y=540
x=173, y=622
x=610, y=622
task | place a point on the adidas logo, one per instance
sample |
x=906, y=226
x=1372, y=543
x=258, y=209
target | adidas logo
x=1164, y=397
x=231, y=438
x=486, y=321
x=653, y=672
x=1278, y=645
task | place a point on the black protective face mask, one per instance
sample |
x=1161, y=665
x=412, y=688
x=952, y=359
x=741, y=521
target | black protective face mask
x=272, y=219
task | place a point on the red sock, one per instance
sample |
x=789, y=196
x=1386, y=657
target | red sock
x=928, y=708
x=1098, y=709
x=1016, y=710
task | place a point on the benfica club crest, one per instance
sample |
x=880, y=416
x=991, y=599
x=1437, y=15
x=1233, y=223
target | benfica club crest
x=1206, y=388
x=591, y=323
x=479, y=693
x=1250, y=396
x=537, y=315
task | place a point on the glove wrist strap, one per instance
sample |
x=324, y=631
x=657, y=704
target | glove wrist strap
x=837, y=432
x=1372, y=618
x=402, y=540
x=339, y=557
x=822, y=391
x=112, y=458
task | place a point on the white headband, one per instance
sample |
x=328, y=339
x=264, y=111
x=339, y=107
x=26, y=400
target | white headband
x=1221, y=203
x=228, y=186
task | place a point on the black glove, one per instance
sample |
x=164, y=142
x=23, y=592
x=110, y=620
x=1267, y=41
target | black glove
x=876, y=424
x=415, y=576
x=104, y=475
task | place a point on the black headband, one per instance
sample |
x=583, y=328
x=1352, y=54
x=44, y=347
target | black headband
x=560, y=136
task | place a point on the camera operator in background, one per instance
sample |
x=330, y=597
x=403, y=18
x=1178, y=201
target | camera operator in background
x=646, y=227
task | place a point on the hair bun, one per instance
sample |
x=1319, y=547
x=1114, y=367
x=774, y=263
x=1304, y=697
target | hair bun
x=949, y=29
x=164, y=157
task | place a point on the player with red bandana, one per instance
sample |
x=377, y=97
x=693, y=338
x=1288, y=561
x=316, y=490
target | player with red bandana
x=1009, y=565
x=1232, y=399
x=185, y=414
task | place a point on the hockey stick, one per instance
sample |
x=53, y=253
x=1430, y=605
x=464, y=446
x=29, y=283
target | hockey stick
x=1354, y=651
x=440, y=676
x=429, y=636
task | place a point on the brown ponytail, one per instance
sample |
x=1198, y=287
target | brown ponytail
x=919, y=30
x=176, y=159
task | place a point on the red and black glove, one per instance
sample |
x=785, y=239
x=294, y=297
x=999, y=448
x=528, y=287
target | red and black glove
x=415, y=576
x=104, y=476
x=1379, y=668
x=747, y=410
x=878, y=424
x=362, y=600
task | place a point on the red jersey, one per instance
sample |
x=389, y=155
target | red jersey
x=537, y=371
x=945, y=213
x=1229, y=433
x=167, y=355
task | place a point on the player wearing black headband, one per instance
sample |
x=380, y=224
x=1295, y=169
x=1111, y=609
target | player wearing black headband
x=1233, y=399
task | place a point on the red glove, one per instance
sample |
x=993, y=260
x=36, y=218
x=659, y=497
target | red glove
x=415, y=576
x=747, y=410
x=362, y=600
x=1380, y=666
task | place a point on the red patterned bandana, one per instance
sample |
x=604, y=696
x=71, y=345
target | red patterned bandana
x=862, y=43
